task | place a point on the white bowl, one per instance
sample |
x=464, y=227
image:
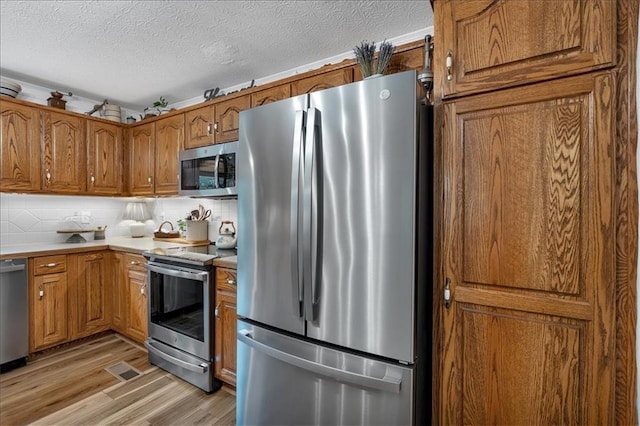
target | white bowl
x=8, y=92
x=10, y=85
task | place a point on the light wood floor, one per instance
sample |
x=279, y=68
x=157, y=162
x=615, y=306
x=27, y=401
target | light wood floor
x=70, y=386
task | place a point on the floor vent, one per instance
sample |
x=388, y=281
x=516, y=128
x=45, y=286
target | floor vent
x=123, y=371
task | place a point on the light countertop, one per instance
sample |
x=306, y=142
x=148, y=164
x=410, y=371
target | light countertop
x=128, y=244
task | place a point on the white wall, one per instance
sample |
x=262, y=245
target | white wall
x=27, y=219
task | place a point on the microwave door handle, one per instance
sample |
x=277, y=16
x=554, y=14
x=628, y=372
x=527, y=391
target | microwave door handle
x=215, y=176
x=198, y=276
x=295, y=243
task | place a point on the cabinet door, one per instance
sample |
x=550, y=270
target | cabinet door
x=63, y=153
x=226, y=319
x=198, y=127
x=322, y=81
x=104, y=158
x=93, y=304
x=118, y=270
x=495, y=44
x=528, y=252
x=169, y=142
x=19, y=147
x=49, y=306
x=142, y=157
x=228, y=118
x=137, y=316
x=272, y=94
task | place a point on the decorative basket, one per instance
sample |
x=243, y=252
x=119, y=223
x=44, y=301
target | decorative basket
x=163, y=234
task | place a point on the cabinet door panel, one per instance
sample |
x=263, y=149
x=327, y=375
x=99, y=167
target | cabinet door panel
x=137, y=321
x=199, y=127
x=142, y=157
x=322, y=81
x=529, y=255
x=50, y=320
x=169, y=142
x=104, y=158
x=494, y=44
x=19, y=147
x=93, y=307
x=273, y=94
x=63, y=161
x=118, y=292
x=228, y=118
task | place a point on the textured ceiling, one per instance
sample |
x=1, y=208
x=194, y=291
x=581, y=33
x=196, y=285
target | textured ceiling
x=132, y=52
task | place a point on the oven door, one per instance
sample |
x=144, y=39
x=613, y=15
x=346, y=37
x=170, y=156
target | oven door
x=180, y=301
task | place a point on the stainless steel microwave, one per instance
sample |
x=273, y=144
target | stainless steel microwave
x=209, y=171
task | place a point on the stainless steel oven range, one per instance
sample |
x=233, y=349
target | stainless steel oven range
x=181, y=298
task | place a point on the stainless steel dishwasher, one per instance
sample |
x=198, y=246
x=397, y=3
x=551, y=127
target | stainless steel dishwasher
x=14, y=314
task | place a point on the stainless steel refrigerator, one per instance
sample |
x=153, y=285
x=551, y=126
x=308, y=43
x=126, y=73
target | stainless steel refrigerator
x=334, y=260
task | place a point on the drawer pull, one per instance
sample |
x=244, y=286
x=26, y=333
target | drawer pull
x=49, y=265
x=41, y=293
x=133, y=262
x=231, y=281
x=217, y=311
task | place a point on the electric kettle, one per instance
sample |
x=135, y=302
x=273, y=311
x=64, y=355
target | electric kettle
x=226, y=235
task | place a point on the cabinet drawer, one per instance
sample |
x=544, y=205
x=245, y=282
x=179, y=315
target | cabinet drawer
x=49, y=264
x=226, y=279
x=134, y=261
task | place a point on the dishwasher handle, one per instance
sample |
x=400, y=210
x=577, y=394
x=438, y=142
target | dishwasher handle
x=11, y=268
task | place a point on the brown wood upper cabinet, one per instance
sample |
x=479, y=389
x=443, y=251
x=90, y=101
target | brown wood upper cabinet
x=104, y=158
x=214, y=123
x=63, y=153
x=153, y=161
x=494, y=44
x=322, y=81
x=272, y=94
x=19, y=150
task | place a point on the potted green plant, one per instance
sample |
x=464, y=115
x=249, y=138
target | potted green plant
x=156, y=108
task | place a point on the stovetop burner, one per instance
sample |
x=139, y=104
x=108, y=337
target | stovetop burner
x=198, y=255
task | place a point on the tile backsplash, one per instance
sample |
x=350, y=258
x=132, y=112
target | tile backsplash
x=27, y=218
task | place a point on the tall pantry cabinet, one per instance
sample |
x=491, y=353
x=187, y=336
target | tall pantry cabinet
x=536, y=329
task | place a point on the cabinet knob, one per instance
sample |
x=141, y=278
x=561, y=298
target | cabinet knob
x=93, y=179
x=209, y=129
x=231, y=281
x=41, y=292
x=142, y=290
x=149, y=179
x=47, y=175
x=216, y=312
x=216, y=127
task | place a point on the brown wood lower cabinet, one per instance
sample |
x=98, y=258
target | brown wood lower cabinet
x=129, y=296
x=225, y=334
x=48, y=302
x=90, y=304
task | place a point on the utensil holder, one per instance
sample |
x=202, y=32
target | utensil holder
x=197, y=230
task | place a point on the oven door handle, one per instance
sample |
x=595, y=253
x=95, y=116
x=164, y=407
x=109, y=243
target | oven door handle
x=203, y=368
x=198, y=276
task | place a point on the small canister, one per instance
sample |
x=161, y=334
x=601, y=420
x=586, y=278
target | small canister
x=98, y=234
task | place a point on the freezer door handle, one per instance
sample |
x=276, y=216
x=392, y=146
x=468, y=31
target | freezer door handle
x=296, y=256
x=386, y=383
x=202, y=368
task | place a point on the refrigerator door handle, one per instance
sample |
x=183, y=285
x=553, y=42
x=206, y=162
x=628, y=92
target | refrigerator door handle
x=295, y=243
x=309, y=232
x=387, y=383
